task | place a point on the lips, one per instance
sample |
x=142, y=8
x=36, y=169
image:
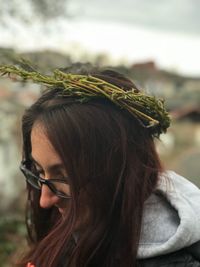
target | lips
x=62, y=207
x=61, y=210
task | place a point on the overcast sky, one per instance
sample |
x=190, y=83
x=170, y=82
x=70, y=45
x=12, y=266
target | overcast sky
x=172, y=15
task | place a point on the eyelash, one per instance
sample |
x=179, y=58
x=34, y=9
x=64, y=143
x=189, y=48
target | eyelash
x=39, y=172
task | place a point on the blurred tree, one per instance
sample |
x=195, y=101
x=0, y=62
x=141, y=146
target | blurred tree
x=48, y=9
x=27, y=10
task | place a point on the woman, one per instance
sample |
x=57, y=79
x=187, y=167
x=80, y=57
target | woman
x=97, y=192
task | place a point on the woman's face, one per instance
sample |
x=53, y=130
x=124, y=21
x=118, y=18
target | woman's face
x=49, y=166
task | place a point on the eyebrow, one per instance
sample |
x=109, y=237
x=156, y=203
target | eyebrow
x=52, y=168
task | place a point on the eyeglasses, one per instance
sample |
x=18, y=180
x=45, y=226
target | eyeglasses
x=57, y=186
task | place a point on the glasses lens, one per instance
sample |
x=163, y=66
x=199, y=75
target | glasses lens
x=32, y=179
x=59, y=188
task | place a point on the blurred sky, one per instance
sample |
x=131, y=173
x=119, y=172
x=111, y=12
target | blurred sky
x=171, y=15
x=166, y=31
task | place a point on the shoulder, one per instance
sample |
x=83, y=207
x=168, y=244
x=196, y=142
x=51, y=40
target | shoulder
x=178, y=259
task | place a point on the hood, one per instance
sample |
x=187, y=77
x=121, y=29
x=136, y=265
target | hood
x=171, y=219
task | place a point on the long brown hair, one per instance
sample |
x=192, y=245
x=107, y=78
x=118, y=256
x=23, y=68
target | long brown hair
x=110, y=157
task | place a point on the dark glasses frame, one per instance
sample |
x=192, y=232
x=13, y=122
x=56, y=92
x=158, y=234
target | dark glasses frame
x=29, y=175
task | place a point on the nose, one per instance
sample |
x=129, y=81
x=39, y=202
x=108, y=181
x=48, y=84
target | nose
x=47, y=197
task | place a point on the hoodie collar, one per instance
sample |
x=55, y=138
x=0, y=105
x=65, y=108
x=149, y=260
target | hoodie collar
x=171, y=219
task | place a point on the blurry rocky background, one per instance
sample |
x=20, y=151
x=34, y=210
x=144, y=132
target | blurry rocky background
x=156, y=43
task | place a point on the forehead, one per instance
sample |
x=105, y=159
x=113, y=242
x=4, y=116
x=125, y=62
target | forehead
x=41, y=148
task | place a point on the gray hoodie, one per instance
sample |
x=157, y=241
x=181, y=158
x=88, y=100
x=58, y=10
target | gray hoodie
x=171, y=218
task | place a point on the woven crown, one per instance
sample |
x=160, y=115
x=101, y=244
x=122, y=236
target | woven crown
x=148, y=110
